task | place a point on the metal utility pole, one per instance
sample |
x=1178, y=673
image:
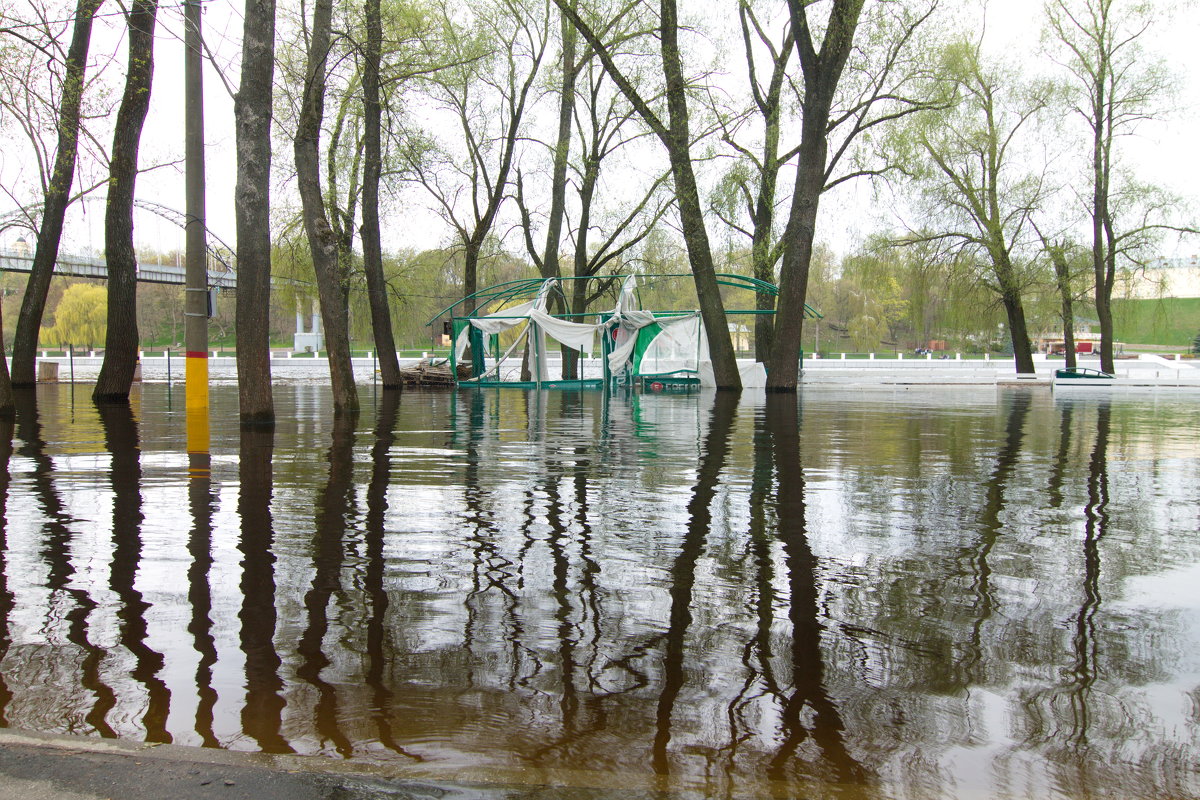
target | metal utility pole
x=195, y=304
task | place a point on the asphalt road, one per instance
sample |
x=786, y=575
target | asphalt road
x=33, y=767
x=47, y=767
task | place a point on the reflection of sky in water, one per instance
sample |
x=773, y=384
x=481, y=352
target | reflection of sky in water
x=927, y=592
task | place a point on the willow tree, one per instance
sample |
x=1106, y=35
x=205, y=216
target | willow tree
x=121, y=337
x=57, y=197
x=973, y=165
x=1116, y=86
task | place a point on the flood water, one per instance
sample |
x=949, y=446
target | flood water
x=865, y=594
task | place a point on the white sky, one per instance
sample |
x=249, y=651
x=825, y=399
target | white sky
x=1166, y=151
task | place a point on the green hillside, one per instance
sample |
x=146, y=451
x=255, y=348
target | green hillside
x=1172, y=322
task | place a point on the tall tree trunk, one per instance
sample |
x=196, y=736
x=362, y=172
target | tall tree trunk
x=763, y=251
x=587, y=191
x=1062, y=279
x=252, y=210
x=331, y=284
x=784, y=365
x=558, y=181
x=1103, y=254
x=1022, y=355
x=121, y=337
x=691, y=212
x=1010, y=296
x=58, y=196
x=822, y=68
x=381, y=316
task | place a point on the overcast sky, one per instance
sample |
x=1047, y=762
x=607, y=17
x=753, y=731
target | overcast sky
x=1166, y=151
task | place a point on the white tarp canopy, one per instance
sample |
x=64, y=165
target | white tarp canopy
x=579, y=336
x=680, y=344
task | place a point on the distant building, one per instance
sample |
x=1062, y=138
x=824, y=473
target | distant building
x=1161, y=277
x=1054, y=342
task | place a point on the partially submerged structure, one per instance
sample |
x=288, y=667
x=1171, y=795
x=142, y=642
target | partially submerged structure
x=506, y=335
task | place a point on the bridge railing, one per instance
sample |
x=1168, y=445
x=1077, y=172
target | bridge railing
x=12, y=260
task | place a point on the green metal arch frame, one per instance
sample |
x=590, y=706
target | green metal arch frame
x=528, y=287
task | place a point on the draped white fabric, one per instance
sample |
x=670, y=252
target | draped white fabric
x=575, y=335
x=504, y=319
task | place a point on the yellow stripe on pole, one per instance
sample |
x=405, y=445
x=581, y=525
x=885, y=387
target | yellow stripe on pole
x=195, y=387
x=199, y=460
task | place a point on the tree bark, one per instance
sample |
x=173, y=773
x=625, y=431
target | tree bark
x=562, y=149
x=763, y=250
x=1018, y=330
x=822, y=70
x=331, y=284
x=558, y=180
x=58, y=196
x=1104, y=256
x=252, y=209
x=691, y=212
x=121, y=336
x=1062, y=279
x=381, y=317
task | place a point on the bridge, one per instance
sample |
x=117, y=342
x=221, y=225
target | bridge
x=21, y=260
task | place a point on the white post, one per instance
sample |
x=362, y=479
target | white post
x=870, y=356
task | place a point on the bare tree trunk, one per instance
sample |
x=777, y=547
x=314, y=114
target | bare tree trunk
x=763, y=249
x=58, y=196
x=381, y=317
x=822, y=68
x=558, y=182
x=1062, y=278
x=331, y=288
x=252, y=209
x=1104, y=259
x=121, y=337
x=691, y=212
x=1022, y=355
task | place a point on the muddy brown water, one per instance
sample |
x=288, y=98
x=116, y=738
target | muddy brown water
x=853, y=593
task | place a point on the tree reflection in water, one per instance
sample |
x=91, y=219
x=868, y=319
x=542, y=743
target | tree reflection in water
x=261, y=714
x=666, y=595
x=809, y=690
x=6, y=596
x=334, y=508
x=56, y=552
x=125, y=473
